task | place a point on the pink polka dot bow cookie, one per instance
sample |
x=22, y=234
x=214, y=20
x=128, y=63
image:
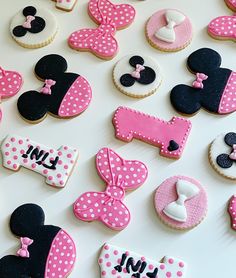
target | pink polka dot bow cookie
x=107, y=206
x=224, y=27
x=118, y=262
x=101, y=41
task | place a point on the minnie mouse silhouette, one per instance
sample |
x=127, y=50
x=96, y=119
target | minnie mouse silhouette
x=64, y=95
x=45, y=251
x=213, y=89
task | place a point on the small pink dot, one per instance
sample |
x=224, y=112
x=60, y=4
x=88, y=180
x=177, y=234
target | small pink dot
x=13, y=139
x=162, y=266
x=150, y=266
x=118, y=261
x=181, y=264
x=14, y=166
x=65, y=148
x=108, y=264
x=45, y=172
x=124, y=270
x=33, y=165
x=8, y=162
x=171, y=261
x=106, y=247
x=179, y=274
x=107, y=256
x=25, y=160
x=72, y=161
x=168, y=274
x=59, y=162
x=59, y=153
x=100, y=261
x=104, y=273
x=61, y=182
x=22, y=151
x=50, y=178
x=15, y=157
x=113, y=272
x=143, y=258
x=69, y=155
x=51, y=151
x=7, y=145
x=115, y=252
x=59, y=175
x=127, y=253
x=20, y=142
x=66, y=167
x=6, y=153
x=14, y=149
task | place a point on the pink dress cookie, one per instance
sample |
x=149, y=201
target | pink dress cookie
x=181, y=202
x=121, y=263
x=101, y=41
x=10, y=84
x=107, y=206
x=170, y=136
x=224, y=27
x=232, y=211
x=169, y=30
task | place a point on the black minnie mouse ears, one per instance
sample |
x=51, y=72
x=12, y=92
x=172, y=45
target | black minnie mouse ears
x=36, y=25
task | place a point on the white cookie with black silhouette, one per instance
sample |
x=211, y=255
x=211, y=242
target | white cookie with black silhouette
x=33, y=27
x=137, y=76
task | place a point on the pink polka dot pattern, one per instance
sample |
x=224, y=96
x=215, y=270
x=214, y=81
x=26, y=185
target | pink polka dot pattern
x=55, y=165
x=120, y=175
x=232, y=211
x=113, y=263
x=77, y=98
x=66, y=5
x=196, y=207
x=231, y=4
x=61, y=259
x=101, y=41
x=228, y=100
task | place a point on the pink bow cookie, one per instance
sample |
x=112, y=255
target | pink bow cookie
x=25, y=243
x=120, y=175
x=101, y=41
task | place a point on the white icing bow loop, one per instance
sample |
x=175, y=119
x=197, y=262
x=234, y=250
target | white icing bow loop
x=167, y=33
x=177, y=210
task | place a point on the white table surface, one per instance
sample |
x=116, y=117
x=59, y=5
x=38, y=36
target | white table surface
x=209, y=249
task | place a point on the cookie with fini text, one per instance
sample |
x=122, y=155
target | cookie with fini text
x=34, y=27
x=137, y=76
x=65, y=5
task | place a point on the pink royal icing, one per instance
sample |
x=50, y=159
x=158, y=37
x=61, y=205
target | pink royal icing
x=196, y=207
x=232, y=211
x=170, y=136
x=55, y=165
x=120, y=175
x=25, y=243
x=61, y=258
x=231, y=4
x=101, y=41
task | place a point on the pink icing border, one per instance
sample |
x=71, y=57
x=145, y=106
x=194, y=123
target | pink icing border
x=183, y=31
x=231, y=4
x=196, y=207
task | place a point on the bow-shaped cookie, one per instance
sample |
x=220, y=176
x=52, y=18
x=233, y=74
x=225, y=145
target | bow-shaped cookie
x=167, y=33
x=185, y=191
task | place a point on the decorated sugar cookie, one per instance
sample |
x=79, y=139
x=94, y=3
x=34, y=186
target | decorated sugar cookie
x=137, y=76
x=181, y=202
x=10, y=84
x=120, y=175
x=34, y=27
x=55, y=165
x=169, y=30
x=223, y=27
x=120, y=262
x=44, y=251
x=101, y=41
x=65, y=5
x=170, y=137
x=213, y=88
x=222, y=155
x=63, y=95
x=232, y=211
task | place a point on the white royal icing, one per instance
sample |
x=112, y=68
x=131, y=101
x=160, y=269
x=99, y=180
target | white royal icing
x=38, y=39
x=117, y=262
x=55, y=165
x=137, y=90
x=185, y=191
x=167, y=33
x=65, y=4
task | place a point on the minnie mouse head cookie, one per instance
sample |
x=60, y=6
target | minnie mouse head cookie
x=33, y=27
x=222, y=155
x=181, y=202
x=213, y=88
x=223, y=27
x=169, y=30
x=63, y=95
x=65, y=5
x=137, y=76
x=44, y=251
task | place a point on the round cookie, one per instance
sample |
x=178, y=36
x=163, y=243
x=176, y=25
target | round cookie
x=169, y=30
x=181, y=202
x=137, y=76
x=222, y=155
x=33, y=27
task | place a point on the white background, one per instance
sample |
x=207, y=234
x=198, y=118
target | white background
x=209, y=249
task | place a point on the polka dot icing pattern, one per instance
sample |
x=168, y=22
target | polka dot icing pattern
x=232, y=211
x=118, y=262
x=231, y=4
x=55, y=165
x=101, y=41
x=62, y=247
x=66, y=5
x=107, y=206
x=170, y=136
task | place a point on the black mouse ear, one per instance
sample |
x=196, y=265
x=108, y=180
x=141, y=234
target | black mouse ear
x=50, y=66
x=33, y=106
x=127, y=80
x=13, y=267
x=224, y=161
x=136, y=60
x=30, y=10
x=204, y=60
x=185, y=99
x=37, y=25
x=19, y=31
x=230, y=139
x=26, y=219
